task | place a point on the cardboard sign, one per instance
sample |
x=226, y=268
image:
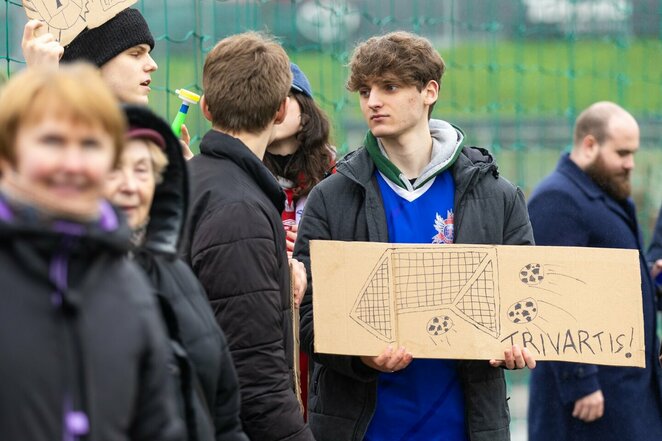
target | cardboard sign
x=68, y=18
x=296, y=343
x=474, y=301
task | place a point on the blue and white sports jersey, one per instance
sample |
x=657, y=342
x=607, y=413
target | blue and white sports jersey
x=425, y=400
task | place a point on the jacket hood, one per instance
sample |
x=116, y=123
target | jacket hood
x=359, y=165
x=169, y=207
x=446, y=146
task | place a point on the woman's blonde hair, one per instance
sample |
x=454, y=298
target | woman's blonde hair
x=76, y=92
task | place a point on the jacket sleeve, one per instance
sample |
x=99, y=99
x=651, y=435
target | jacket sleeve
x=556, y=220
x=655, y=249
x=517, y=227
x=227, y=407
x=155, y=417
x=314, y=226
x=234, y=256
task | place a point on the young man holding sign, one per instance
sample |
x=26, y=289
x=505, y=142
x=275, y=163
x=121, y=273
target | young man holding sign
x=411, y=182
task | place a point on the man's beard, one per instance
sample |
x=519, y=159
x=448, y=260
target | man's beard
x=616, y=185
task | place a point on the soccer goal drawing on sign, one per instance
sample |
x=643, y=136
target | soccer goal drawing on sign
x=404, y=281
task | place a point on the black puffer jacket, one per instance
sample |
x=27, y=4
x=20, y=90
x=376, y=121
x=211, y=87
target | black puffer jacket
x=208, y=387
x=79, y=332
x=348, y=206
x=235, y=243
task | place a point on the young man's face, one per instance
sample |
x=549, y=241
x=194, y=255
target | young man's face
x=392, y=110
x=129, y=74
x=62, y=162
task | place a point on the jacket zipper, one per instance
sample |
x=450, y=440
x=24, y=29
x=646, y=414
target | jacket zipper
x=75, y=423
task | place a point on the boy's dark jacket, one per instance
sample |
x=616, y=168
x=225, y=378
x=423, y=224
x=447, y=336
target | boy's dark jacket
x=79, y=329
x=235, y=244
x=347, y=206
x=207, y=385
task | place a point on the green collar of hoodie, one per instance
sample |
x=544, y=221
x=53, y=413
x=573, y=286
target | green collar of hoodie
x=393, y=173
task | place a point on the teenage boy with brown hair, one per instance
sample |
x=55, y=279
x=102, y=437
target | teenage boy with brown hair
x=411, y=182
x=235, y=241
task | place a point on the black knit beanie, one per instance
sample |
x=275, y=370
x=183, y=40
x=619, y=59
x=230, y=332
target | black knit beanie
x=98, y=45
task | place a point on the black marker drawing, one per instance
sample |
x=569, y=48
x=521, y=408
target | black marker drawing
x=526, y=311
x=463, y=281
x=65, y=19
x=558, y=307
x=59, y=15
x=438, y=328
x=439, y=325
x=523, y=311
x=534, y=274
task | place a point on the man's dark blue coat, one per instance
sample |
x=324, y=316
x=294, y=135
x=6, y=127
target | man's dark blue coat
x=569, y=209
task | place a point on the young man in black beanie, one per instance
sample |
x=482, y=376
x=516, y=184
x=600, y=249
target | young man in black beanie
x=120, y=48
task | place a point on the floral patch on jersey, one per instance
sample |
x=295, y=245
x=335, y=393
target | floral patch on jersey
x=444, y=228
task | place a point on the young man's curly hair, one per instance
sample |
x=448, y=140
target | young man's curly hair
x=398, y=57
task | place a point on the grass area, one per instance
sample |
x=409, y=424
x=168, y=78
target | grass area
x=551, y=78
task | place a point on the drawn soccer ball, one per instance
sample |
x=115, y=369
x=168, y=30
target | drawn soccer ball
x=523, y=311
x=439, y=325
x=532, y=274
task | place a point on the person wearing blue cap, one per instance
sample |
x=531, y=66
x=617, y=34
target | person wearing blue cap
x=300, y=156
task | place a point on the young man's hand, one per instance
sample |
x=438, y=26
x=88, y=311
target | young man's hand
x=186, y=142
x=299, y=281
x=656, y=268
x=514, y=358
x=42, y=52
x=590, y=407
x=389, y=360
x=290, y=239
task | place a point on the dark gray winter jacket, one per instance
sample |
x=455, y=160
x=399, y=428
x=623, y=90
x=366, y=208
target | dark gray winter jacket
x=347, y=206
x=84, y=352
x=207, y=384
x=235, y=244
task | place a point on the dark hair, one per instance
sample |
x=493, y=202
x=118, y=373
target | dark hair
x=315, y=156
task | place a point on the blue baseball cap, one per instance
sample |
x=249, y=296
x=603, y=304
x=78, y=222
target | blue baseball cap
x=299, y=81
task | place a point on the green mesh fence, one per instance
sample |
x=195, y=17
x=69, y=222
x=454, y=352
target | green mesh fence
x=518, y=71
